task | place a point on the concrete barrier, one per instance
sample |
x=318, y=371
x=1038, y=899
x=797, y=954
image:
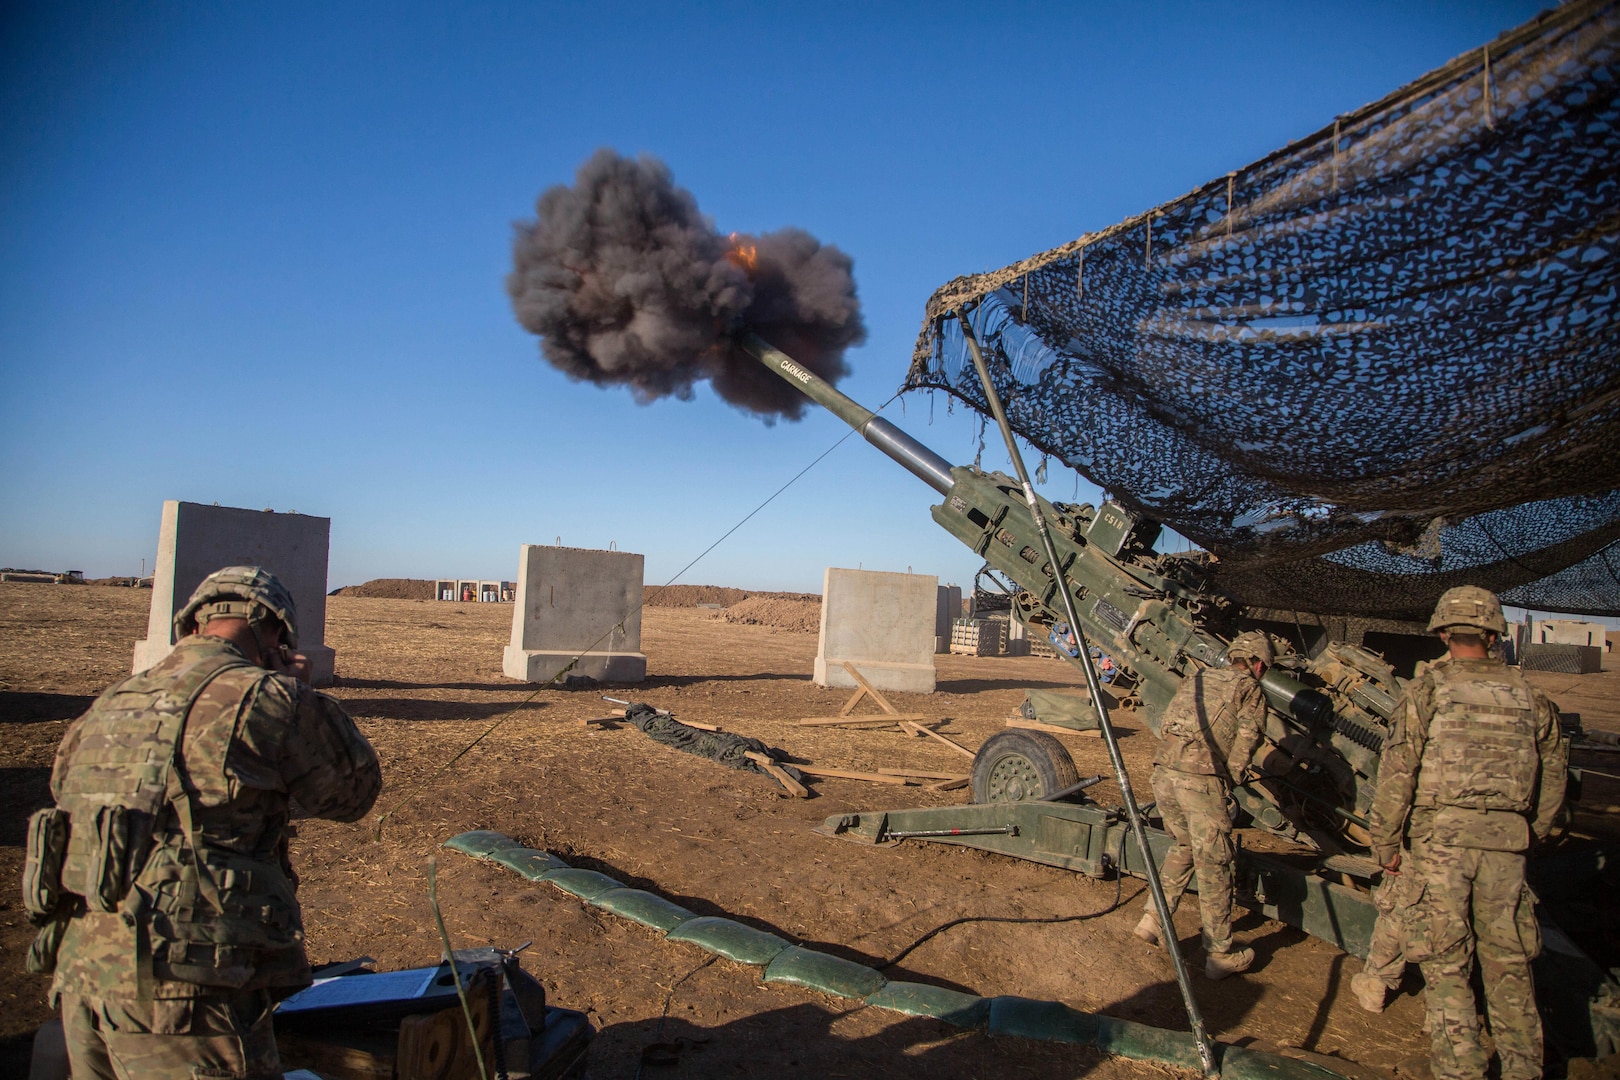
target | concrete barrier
x=576, y=602
x=194, y=540
x=884, y=624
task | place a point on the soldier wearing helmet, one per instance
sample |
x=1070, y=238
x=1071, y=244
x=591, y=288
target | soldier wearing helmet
x=1473, y=772
x=1210, y=730
x=160, y=878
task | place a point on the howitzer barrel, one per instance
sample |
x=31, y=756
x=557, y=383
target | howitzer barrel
x=912, y=455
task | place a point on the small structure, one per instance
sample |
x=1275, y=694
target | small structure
x=979, y=637
x=194, y=540
x=1571, y=632
x=1566, y=659
x=881, y=622
x=474, y=590
x=576, y=603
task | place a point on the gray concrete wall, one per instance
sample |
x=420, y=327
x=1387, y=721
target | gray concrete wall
x=1572, y=632
x=573, y=601
x=882, y=623
x=194, y=540
x=948, y=611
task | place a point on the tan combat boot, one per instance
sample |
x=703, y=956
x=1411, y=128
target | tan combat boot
x=1218, y=965
x=1369, y=991
x=1148, y=929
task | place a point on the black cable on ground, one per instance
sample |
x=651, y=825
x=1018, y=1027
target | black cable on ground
x=942, y=927
x=669, y=997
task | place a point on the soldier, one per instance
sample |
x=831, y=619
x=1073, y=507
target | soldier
x=1473, y=768
x=160, y=878
x=1209, y=732
x=1386, y=951
x=1385, y=965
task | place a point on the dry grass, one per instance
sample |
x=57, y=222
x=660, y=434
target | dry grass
x=423, y=680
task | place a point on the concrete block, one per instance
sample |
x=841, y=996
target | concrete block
x=1571, y=632
x=194, y=540
x=948, y=611
x=572, y=601
x=882, y=623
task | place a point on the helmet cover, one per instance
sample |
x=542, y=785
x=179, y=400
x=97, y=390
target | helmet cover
x=1468, y=606
x=262, y=591
x=1252, y=643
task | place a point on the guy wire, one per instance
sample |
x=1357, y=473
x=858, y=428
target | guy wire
x=502, y=718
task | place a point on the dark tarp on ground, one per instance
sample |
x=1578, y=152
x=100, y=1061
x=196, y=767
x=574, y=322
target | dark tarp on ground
x=727, y=748
x=1376, y=364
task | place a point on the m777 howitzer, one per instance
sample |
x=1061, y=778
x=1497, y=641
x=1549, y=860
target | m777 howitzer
x=1316, y=771
x=1154, y=615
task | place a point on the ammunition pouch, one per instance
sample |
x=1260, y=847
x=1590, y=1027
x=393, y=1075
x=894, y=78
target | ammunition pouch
x=1526, y=924
x=47, y=943
x=122, y=839
x=42, y=866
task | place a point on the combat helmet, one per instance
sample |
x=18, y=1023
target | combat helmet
x=1470, y=606
x=1252, y=643
x=243, y=592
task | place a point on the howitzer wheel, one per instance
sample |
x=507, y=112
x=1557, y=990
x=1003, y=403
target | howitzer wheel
x=1019, y=766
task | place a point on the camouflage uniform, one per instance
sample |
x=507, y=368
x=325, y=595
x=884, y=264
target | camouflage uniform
x=1210, y=730
x=1386, y=951
x=1395, y=895
x=172, y=920
x=1474, y=765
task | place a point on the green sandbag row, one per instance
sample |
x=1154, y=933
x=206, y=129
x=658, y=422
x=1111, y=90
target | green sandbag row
x=785, y=962
x=484, y=844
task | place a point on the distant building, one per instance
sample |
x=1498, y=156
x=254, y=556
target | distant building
x=1571, y=632
x=474, y=591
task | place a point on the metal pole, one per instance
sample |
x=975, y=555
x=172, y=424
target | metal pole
x=1206, y=1050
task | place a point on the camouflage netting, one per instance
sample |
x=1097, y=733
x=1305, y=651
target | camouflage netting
x=1380, y=362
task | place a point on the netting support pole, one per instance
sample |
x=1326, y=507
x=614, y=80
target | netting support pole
x=1167, y=926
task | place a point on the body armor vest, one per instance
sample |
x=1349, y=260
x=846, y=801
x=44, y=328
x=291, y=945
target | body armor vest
x=137, y=853
x=1200, y=724
x=1480, y=753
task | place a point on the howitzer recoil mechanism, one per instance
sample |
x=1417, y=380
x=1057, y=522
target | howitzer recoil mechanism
x=1156, y=616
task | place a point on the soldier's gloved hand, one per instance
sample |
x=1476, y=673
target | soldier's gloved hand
x=1394, y=865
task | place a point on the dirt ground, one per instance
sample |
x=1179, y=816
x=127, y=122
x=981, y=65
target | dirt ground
x=423, y=680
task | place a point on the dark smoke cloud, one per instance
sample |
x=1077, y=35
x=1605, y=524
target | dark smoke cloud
x=628, y=283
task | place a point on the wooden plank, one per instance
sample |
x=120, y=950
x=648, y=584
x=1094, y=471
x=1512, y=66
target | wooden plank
x=601, y=720
x=1036, y=725
x=849, y=706
x=918, y=729
x=851, y=774
x=764, y=761
x=951, y=785
x=922, y=775
x=828, y=721
x=882, y=701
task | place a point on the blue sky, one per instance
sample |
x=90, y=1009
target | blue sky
x=254, y=254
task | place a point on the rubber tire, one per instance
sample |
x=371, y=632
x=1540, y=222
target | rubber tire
x=1038, y=763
